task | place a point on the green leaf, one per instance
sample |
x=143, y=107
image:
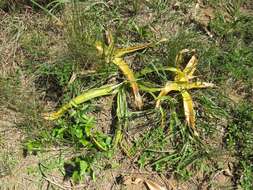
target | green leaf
x=76, y=177
x=84, y=142
x=83, y=167
x=88, y=130
x=79, y=133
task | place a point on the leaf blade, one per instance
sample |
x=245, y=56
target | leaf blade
x=188, y=109
x=131, y=78
x=84, y=97
x=170, y=86
x=191, y=67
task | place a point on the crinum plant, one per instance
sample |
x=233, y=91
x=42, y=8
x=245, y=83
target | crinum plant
x=183, y=83
x=116, y=55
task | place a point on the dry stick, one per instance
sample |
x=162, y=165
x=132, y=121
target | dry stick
x=54, y=183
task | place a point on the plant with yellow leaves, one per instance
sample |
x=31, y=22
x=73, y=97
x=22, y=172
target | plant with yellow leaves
x=182, y=83
x=116, y=56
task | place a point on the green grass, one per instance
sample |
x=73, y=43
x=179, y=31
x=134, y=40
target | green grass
x=151, y=140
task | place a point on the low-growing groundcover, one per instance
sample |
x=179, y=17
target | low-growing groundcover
x=132, y=119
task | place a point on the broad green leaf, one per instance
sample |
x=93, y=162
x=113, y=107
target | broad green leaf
x=78, y=133
x=84, y=142
x=76, y=177
x=83, y=167
x=88, y=130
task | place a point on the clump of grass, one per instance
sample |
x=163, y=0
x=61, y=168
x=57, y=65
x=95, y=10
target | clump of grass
x=84, y=26
x=8, y=5
x=23, y=101
x=239, y=140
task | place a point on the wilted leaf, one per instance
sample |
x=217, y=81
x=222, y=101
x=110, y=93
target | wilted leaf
x=115, y=55
x=188, y=109
x=203, y=16
x=179, y=57
x=199, y=84
x=191, y=67
x=182, y=82
x=170, y=86
x=86, y=96
x=122, y=114
x=130, y=76
x=123, y=51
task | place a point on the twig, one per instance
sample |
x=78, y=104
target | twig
x=51, y=181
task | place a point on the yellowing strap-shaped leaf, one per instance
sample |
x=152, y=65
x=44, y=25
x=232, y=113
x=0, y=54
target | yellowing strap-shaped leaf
x=99, y=47
x=123, y=51
x=198, y=84
x=88, y=95
x=179, y=57
x=110, y=38
x=191, y=67
x=130, y=76
x=179, y=86
x=146, y=71
x=192, y=85
x=180, y=76
x=188, y=109
x=170, y=86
